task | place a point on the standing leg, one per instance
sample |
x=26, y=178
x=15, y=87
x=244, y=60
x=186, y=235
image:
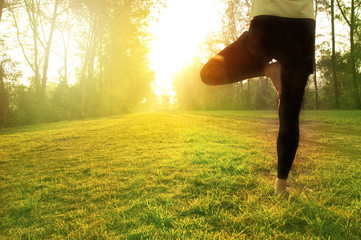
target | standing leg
x=294, y=79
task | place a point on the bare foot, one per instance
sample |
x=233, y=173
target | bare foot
x=214, y=71
x=273, y=71
x=280, y=187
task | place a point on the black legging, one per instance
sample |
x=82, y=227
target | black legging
x=293, y=85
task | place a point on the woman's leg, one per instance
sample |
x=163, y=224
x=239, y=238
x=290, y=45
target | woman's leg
x=294, y=79
x=236, y=62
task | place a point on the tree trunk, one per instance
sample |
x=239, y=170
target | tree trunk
x=2, y=6
x=315, y=70
x=33, y=20
x=48, y=48
x=65, y=60
x=316, y=89
x=352, y=55
x=351, y=22
x=334, y=71
x=4, y=101
x=238, y=102
x=241, y=94
x=87, y=72
x=248, y=94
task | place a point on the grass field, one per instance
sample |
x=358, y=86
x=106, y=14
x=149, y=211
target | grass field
x=191, y=175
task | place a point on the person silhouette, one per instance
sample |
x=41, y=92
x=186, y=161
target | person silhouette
x=280, y=44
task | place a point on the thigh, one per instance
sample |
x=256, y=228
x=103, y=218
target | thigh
x=245, y=59
x=293, y=82
x=238, y=61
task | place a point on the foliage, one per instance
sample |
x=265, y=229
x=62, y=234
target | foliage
x=344, y=72
x=9, y=75
x=126, y=70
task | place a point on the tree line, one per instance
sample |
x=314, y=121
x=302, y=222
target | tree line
x=335, y=83
x=112, y=73
x=112, y=76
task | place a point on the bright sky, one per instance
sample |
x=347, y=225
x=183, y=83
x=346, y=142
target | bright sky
x=182, y=27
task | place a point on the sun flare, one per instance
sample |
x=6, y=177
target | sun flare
x=183, y=25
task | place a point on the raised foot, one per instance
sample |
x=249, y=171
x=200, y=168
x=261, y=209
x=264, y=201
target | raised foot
x=273, y=71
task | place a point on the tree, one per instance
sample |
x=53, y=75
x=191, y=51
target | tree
x=315, y=69
x=47, y=47
x=351, y=15
x=9, y=74
x=66, y=27
x=37, y=56
x=126, y=67
x=4, y=98
x=333, y=42
x=94, y=14
x=2, y=6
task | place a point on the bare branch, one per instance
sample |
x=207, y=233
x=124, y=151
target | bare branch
x=343, y=12
x=20, y=43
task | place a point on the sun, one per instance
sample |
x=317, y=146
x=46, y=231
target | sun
x=183, y=25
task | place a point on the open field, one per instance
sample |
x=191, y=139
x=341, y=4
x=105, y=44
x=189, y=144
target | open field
x=191, y=175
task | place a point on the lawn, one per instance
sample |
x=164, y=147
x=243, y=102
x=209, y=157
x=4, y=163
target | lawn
x=180, y=175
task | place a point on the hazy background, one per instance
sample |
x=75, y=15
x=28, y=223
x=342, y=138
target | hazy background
x=72, y=59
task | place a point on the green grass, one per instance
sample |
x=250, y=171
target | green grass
x=193, y=175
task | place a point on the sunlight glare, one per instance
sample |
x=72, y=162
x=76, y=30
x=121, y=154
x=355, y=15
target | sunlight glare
x=182, y=26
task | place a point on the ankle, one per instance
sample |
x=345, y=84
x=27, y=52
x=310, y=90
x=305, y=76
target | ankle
x=280, y=186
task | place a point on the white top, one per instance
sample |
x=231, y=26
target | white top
x=283, y=8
